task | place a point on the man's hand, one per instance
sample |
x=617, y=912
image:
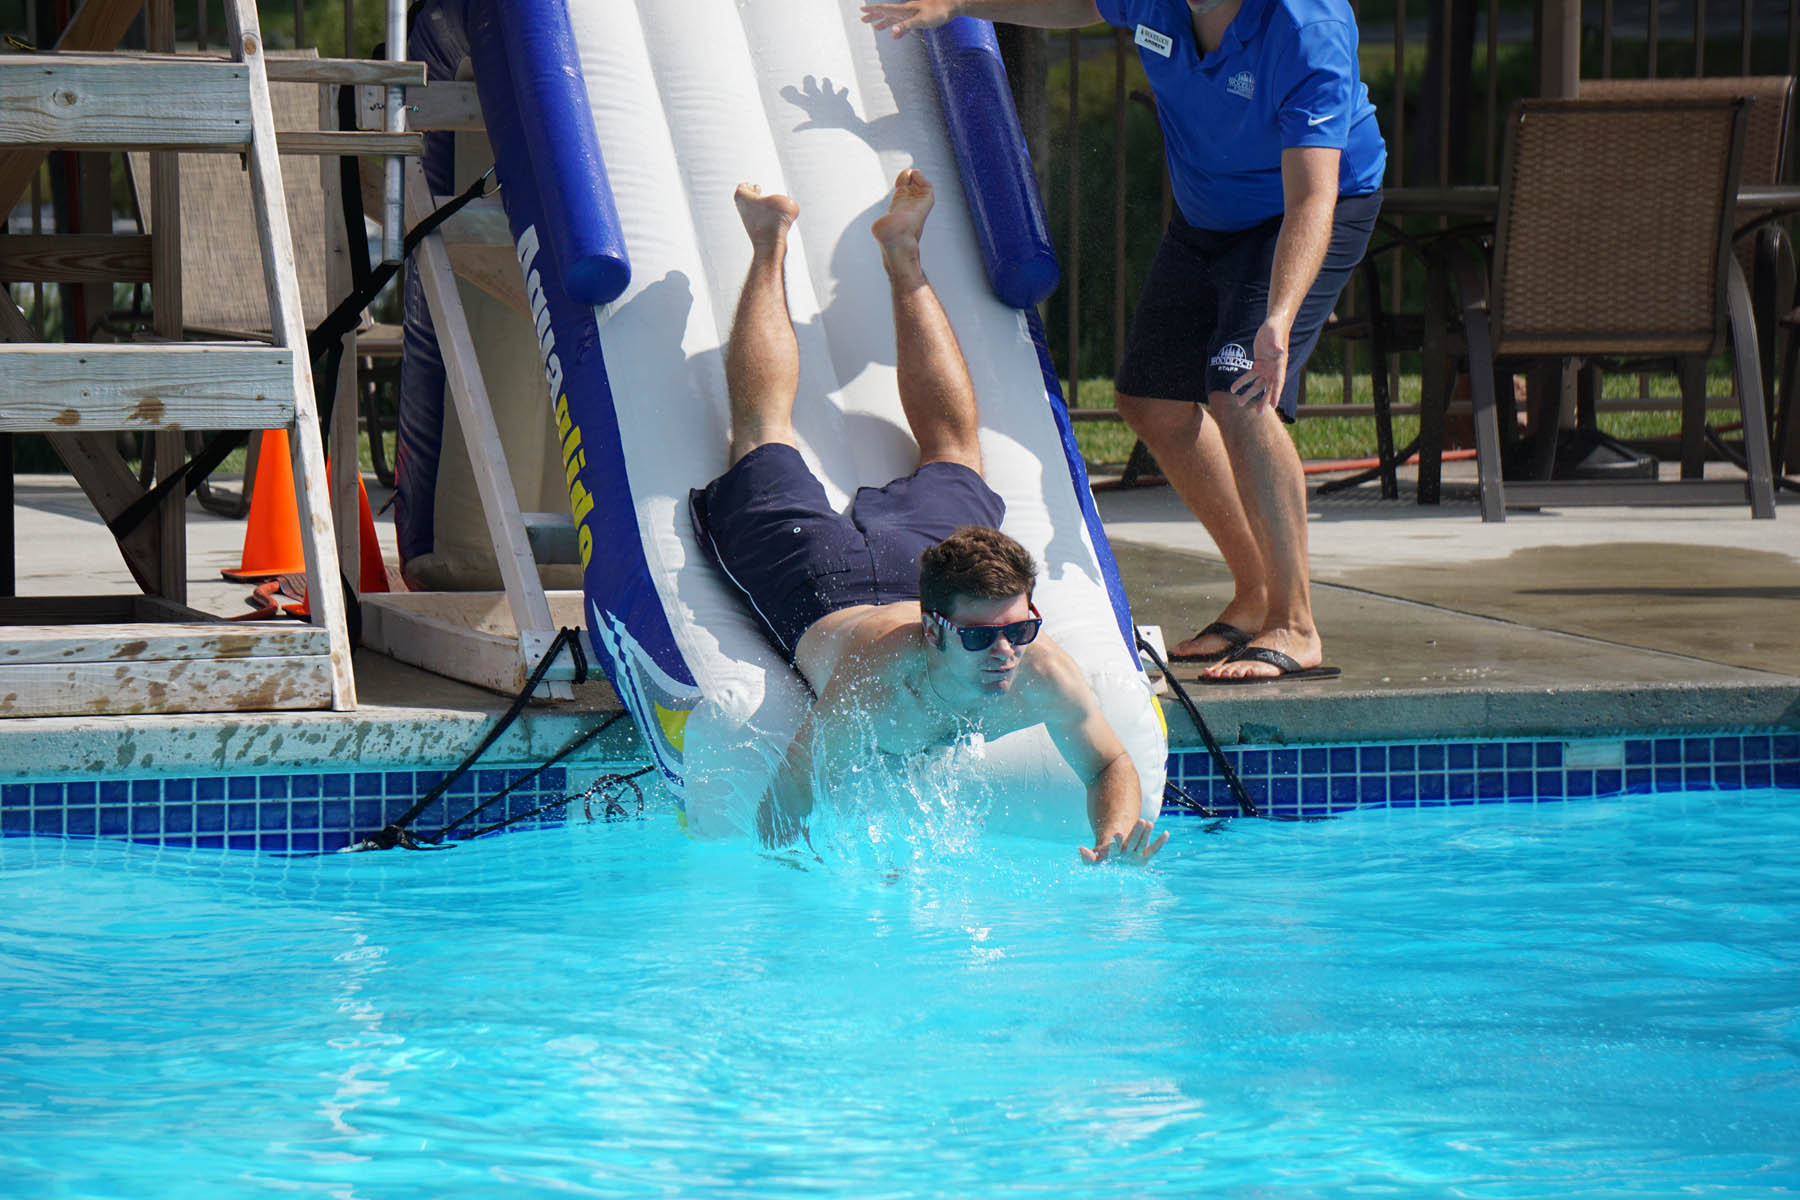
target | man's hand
x=1134, y=849
x=1263, y=382
x=905, y=17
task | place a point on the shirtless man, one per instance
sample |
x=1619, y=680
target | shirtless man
x=912, y=617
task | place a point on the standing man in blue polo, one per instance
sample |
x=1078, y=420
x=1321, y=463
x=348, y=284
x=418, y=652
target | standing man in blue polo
x=1276, y=163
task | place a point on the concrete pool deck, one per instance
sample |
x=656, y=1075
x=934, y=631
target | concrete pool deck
x=1572, y=622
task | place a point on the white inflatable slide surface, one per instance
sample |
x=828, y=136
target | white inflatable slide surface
x=688, y=98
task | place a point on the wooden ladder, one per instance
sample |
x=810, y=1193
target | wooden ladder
x=81, y=655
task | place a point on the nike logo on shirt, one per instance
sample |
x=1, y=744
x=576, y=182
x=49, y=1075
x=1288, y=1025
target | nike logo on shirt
x=1320, y=120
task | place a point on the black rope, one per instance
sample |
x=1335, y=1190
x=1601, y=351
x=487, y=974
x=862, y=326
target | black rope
x=1246, y=806
x=611, y=810
x=326, y=338
x=1174, y=793
x=395, y=834
x=575, y=744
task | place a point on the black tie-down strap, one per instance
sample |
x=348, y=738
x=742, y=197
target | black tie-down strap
x=396, y=834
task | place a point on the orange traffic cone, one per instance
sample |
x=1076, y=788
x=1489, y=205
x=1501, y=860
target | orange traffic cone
x=374, y=570
x=272, y=537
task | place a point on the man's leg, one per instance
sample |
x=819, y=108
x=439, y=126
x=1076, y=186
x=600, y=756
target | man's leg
x=1271, y=486
x=762, y=359
x=1193, y=458
x=935, y=390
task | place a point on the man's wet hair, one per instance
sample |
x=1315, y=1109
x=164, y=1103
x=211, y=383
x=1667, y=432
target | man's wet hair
x=977, y=562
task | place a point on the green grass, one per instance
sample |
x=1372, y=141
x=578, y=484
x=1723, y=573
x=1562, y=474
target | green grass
x=1109, y=443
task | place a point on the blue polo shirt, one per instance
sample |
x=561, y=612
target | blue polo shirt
x=1285, y=75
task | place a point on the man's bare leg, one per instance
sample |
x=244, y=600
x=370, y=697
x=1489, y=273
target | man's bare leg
x=1192, y=456
x=1271, y=483
x=935, y=390
x=762, y=359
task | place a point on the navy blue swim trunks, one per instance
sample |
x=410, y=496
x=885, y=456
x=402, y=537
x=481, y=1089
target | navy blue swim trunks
x=767, y=524
x=1207, y=293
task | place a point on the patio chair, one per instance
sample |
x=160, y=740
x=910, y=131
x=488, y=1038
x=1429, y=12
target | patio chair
x=1613, y=240
x=1763, y=248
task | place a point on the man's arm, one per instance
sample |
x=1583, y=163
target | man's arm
x=904, y=17
x=1089, y=745
x=1309, y=184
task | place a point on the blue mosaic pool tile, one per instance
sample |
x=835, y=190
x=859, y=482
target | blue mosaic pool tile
x=320, y=812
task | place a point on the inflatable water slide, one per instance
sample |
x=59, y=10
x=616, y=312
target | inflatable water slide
x=619, y=130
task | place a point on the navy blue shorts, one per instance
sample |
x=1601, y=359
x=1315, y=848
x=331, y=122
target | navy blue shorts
x=767, y=524
x=1207, y=294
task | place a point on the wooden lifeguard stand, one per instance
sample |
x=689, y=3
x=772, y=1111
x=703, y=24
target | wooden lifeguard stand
x=150, y=653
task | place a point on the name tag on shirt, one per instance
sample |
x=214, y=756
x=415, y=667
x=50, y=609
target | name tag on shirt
x=1149, y=39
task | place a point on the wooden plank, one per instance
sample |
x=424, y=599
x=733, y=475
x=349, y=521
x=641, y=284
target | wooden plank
x=96, y=25
x=512, y=548
x=443, y=646
x=440, y=106
x=334, y=142
x=340, y=281
x=98, y=103
x=94, y=460
x=168, y=308
x=324, y=591
x=73, y=642
x=349, y=71
x=170, y=686
x=97, y=386
x=75, y=258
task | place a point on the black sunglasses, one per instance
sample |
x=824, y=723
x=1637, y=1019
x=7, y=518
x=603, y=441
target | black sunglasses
x=976, y=638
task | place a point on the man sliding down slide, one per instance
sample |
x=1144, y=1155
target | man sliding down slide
x=912, y=616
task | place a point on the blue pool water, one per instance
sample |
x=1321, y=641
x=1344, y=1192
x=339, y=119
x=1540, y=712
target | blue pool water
x=1587, y=998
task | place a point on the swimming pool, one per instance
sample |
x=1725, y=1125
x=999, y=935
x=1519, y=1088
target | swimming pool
x=1596, y=997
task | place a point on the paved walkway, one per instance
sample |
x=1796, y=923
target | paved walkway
x=1555, y=622
x=1578, y=620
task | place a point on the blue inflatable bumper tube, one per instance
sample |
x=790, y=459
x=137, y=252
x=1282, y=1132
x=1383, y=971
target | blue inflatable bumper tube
x=551, y=100
x=996, y=166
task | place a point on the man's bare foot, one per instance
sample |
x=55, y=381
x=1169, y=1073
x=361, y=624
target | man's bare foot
x=899, y=228
x=1305, y=649
x=766, y=218
x=1210, y=645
